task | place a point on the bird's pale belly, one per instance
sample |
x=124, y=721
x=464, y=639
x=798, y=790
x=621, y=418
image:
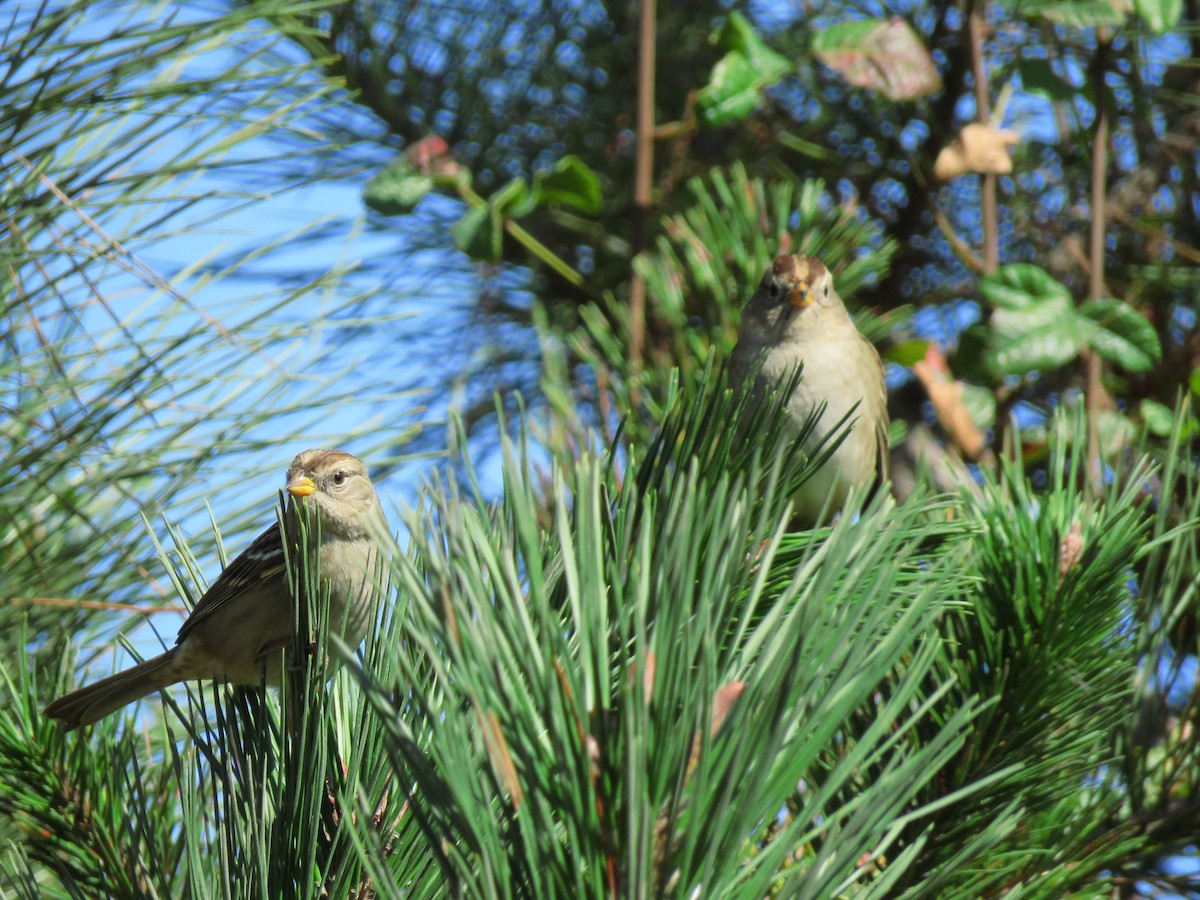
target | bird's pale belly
x=829, y=373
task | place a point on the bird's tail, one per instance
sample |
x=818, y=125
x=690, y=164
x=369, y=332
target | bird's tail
x=94, y=702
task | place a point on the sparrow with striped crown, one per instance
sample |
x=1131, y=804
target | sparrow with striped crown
x=797, y=317
x=238, y=627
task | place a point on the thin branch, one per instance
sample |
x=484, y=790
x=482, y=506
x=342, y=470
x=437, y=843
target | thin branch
x=644, y=168
x=987, y=195
x=536, y=248
x=1095, y=388
x=961, y=248
x=1187, y=251
x=547, y=256
x=988, y=211
x=89, y=604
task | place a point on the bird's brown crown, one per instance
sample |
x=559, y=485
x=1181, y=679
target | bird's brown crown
x=793, y=278
x=798, y=269
x=311, y=461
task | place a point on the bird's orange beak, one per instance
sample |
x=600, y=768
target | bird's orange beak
x=801, y=296
x=301, y=486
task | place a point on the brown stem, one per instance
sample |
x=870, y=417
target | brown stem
x=643, y=171
x=989, y=208
x=961, y=248
x=1188, y=252
x=1095, y=388
x=90, y=604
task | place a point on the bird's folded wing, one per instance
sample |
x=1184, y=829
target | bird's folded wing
x=261, y=561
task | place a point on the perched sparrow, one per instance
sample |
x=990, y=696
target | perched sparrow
x=237, y=629
x=796, y=316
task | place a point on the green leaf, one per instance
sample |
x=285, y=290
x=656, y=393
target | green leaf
x=1194, y=381
x=805, y=147
x=479, y=233
x=1009, y=323
x=397, y=188
x=980, y=404
x=1039, y=77
x=1116, y=432
x=1019, y=285
x=451, y=175
x=1121, y=334
x=1159, y=419
x=970, y=358
x=1160, y=15
x=843, y=35
x=738, y=35
x=906, y=353
x=1162, y=421
x=571, y=182
x=731, y=93
x=1052, y=343
x=1078, y=13
x=738, y=78
x=513, y=200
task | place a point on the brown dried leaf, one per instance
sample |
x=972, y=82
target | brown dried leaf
x=724, y=701
x=887, y=57
x=425, y=152
x=451, y=619
x=946, y=395
x=983, y=149
x=648, y=677
x=497, y=750
x=1070, y=550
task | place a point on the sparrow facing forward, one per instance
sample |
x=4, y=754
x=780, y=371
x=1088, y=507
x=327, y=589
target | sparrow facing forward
x=797, y=317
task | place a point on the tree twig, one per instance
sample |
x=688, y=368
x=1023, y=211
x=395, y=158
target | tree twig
x=987, y=194
x=1094, y=364
x=89, y=604
x=961, y=248
x=643, y=171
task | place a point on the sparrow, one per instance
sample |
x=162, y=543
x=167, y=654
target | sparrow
x=244, y=619
x=796, y=318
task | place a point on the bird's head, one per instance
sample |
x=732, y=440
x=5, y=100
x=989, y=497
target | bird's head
x=794, y=301
x=800, y=281
x=335, y=485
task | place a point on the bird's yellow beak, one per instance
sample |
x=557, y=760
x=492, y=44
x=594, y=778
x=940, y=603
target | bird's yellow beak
x=801, y=296
x=301, y=486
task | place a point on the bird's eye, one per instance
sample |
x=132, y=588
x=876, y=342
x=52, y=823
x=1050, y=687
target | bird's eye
x=827, y=291
x=339, y=477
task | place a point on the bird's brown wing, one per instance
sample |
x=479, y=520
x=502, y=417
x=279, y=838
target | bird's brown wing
x=261, y=561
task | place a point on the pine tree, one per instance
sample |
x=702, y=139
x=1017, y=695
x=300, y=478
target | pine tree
x=627, y=677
